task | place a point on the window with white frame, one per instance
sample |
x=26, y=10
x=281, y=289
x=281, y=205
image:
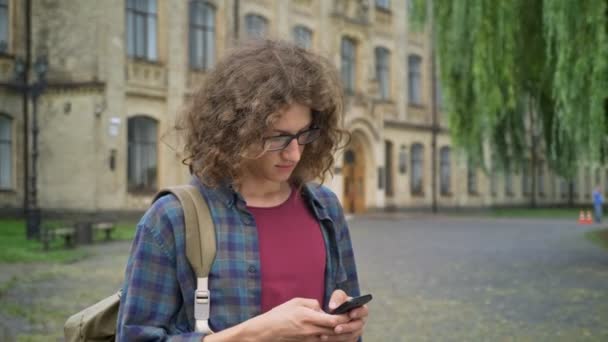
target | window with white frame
x=444, y=171
x=141, y=29
x=348, y=65
x=6, y=152
x=142, y=153
x=3, y=26
x=414, y=79
x=383, y=59
x=202, y=35
x=416, y=181
x=302, y=36
x=256, y=26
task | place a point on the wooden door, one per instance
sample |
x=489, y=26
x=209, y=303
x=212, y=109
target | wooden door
x=354, y=179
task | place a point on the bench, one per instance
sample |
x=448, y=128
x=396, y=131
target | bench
x=67, y=233
x=106, y=227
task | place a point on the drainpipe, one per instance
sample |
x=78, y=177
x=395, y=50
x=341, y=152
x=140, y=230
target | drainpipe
x=26, y=100
x=434, y=127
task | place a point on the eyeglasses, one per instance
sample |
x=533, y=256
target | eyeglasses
x=280, y=142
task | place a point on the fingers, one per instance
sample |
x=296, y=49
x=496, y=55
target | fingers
x=361, y=312
x=337, y=297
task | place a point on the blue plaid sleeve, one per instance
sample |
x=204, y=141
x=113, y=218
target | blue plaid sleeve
x=345, y=248
x=151, y=306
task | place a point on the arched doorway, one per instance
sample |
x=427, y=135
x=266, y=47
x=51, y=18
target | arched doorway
x=354, y=177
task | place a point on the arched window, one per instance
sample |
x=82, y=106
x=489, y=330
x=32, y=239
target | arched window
x=348, y=65
x=383, y=58
x=202, y=35
x=416, y=182
x=302, y=36
x=444, y=171
x=142, y=154
x=256, y=26
x=6, y=152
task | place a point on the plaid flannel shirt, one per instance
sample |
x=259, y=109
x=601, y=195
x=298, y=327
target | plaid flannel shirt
x=158, y=294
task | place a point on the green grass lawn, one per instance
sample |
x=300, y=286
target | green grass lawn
x=14, y=247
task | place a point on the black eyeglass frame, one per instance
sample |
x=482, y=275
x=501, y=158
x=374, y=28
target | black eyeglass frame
x=296, y=136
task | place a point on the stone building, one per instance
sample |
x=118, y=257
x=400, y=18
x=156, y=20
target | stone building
x=120, y=70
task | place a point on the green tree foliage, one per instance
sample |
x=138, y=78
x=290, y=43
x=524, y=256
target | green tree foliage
x=512, y=67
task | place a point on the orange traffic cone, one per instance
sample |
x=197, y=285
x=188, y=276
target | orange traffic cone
x=581, y=218
x=588, y=219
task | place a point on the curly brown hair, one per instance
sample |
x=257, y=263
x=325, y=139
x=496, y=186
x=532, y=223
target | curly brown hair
x=245, y=93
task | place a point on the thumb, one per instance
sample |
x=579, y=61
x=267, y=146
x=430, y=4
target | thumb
x=337, y=297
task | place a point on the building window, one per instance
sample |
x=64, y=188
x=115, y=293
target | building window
x=142, y=154
x=525, y=178
x=383, y=4
x=6, y=152
x=444, y=171
x=471, y=178
x=417, y=169
x=438, y=93
x=575, y=184
x=587, y=182
x=141, y=29
x=256, y=26
x=563, y=187
x=383, y=58
x=202, y=35
x=388, y=159
x=302, y=36
x=541, y=178
x=494, y=181
x=3, y=26
x=508, y=182
x=414, y=79
x=403, y=160
x=347, y=67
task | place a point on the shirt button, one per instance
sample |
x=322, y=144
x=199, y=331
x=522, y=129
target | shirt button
x=252, y=269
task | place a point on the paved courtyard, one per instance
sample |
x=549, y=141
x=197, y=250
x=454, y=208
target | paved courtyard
x=433, y=279
x=473, y=279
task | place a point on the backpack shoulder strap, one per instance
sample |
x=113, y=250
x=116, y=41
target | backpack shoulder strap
x=200, y=245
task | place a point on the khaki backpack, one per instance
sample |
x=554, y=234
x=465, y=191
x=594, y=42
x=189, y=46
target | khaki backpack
x=98, y=322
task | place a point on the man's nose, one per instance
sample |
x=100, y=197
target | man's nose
x=292, y=151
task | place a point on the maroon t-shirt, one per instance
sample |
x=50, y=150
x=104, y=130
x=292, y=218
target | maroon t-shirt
x=292, y=252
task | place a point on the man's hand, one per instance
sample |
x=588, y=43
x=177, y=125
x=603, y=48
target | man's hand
x=352, y=329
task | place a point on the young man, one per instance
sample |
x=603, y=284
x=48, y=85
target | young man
x=266, y=123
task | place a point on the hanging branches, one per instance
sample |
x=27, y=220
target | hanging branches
x=499, y=59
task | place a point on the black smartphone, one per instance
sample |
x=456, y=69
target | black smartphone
x=352, y=303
